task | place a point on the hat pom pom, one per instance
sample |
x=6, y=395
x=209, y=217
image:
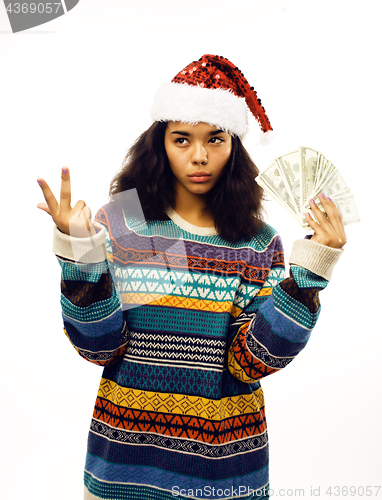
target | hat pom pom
x=267, y=137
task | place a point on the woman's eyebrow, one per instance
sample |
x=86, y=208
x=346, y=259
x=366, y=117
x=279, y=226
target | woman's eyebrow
x=180, y=133
x=214, y=132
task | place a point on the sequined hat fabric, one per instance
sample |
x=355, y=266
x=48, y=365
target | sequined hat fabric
x=211, y=90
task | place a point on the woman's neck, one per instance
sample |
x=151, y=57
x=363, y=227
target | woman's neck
x=192, y=209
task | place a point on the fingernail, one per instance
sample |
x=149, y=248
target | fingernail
x=322, y=196
x=308, y=214
x=329, y=199
x=312, y=201
x=64, y=170
x=39, y=182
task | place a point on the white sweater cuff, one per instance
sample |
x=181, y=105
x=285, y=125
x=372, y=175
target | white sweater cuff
x=317, y=258
x=84, y=250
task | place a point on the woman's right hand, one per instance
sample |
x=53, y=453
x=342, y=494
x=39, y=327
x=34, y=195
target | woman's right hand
x=74, y=221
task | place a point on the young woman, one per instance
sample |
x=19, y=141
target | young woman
x=187, y=309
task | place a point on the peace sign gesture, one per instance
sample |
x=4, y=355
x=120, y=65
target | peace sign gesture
x=74, y=221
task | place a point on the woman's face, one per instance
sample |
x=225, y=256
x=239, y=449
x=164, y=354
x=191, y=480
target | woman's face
x=197, y=155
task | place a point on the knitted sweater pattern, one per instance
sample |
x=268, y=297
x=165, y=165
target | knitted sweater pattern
x=185, y=326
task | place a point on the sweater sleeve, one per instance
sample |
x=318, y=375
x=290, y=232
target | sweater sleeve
x=91, y=304
x=270, y=333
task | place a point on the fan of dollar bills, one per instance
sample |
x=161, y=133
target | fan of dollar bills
x=295, y=178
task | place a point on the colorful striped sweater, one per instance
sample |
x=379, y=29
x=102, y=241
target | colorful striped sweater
x=185, y=325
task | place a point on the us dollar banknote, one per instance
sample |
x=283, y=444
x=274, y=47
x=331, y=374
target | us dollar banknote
x=296, y=177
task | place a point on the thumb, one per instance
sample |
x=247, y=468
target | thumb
x=44, y=207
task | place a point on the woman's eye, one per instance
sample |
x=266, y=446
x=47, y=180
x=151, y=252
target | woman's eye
x=181, y=140
x=216, y=140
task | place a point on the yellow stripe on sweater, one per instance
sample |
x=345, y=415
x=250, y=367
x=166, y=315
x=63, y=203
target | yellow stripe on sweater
x=157, y=299
x=181, y=403
x=265, y=292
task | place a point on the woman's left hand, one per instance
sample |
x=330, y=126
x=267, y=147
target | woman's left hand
x=328, y=231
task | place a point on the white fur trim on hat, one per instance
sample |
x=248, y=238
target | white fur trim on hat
x=267, y=137
x=194, y=104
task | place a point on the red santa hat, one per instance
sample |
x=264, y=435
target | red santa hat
x=214, y=91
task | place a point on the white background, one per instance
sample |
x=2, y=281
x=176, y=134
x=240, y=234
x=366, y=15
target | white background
x=77, y=92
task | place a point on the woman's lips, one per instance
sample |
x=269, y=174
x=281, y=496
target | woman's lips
x=199, y=176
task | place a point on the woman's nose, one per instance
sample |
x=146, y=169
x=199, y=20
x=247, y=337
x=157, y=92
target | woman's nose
x=199, y=156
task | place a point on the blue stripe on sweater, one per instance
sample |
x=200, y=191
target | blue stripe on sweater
x=180, y=463
x=281, y=323
x=92, y=313
x=203, y=383
x=292, y=312
x=82, y=334
x=172, y=319
x=119, y=491
x=154, y=476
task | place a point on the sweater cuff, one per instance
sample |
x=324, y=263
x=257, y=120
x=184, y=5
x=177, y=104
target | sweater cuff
x=317, y=258
x=83, y=250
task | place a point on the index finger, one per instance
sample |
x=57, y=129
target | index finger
x=65, y=193
x=48, y=195
x=333, y=213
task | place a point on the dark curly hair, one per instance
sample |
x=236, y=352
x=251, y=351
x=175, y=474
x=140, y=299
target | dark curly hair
x=235, y=202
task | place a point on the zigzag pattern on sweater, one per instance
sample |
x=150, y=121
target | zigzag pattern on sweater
x=181, y=403
x=176, y=349
x=246, y=272
x=182, y=283
x=261, y=352
x=242, y=363
x=182, y=426
x=150, y=285
x=192, y=447
x=102, y=358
